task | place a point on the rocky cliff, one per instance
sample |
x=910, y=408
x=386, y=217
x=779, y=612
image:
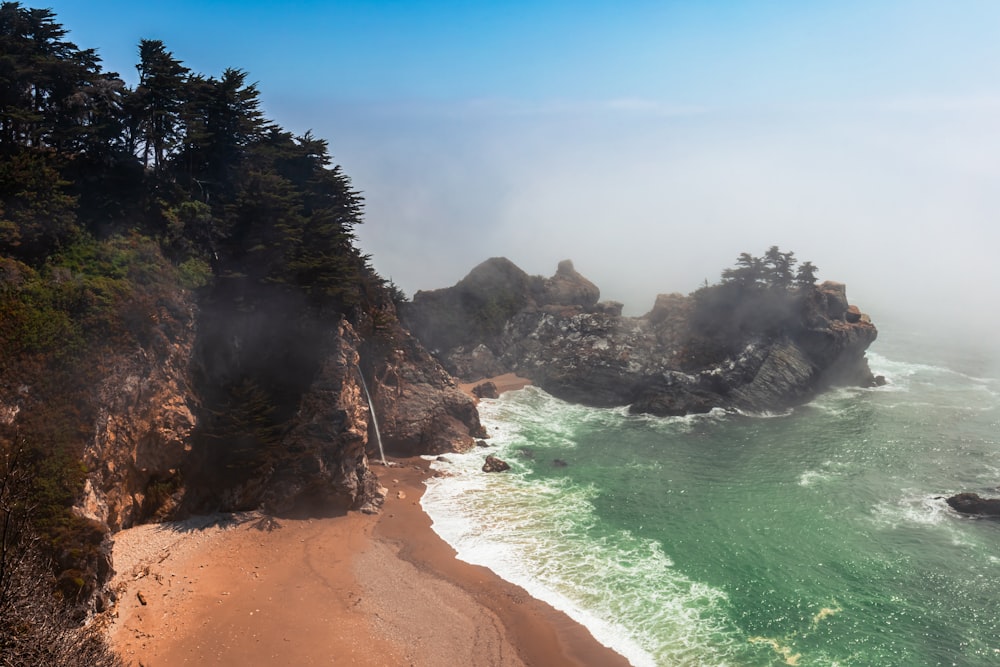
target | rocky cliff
x=151, y=454
x=674, y=360
x=218, y=409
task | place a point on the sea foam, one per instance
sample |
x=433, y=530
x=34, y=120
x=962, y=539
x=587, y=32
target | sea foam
x=541, y=534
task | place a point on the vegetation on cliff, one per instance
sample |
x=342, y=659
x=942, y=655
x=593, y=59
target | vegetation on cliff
x=117, y=203
x=760, y=296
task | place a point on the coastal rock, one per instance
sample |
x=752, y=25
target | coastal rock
x=569, y=288
x=972, y=503
x=485, y=390
x=325, y=453
x=142, y=434
x=665, y=362
x=493, y=464
x=420, y=407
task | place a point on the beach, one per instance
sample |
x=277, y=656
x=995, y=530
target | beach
x=353, y=589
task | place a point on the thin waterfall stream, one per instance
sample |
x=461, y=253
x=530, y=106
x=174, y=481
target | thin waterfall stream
x=371, y=409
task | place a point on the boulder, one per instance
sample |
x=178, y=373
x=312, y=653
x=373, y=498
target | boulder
x=835, y=297
x=486, y=390
x=569, y=288
x=493, y=464
x=972, y=503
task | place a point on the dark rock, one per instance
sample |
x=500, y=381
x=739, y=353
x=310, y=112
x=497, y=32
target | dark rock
x=972, y=503
x=613, y=308
x=834, y=299
x=569, y=288
x=559, y=463
x=660, y=363
x=443, y=459
x=482, y=443
x=485, y=390
x=493, y=464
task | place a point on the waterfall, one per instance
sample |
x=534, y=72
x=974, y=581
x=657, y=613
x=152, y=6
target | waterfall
x=371, y=409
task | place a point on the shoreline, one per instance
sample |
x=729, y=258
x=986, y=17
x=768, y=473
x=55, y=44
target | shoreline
x=504, y=383
x=353, y=588
x=540, y=634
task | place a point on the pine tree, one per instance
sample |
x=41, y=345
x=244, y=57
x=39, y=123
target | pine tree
x=157, y=101
x=806, y=276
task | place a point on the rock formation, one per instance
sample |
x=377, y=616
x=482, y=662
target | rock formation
x=666, y=362
x=151, y=453
x=493, y=464
x=972, y=503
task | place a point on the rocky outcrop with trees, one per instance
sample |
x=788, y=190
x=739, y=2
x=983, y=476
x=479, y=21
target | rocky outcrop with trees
x=765, y=337
x=185, y=322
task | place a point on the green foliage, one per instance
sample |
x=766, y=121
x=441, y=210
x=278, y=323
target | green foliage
x=758, y=297
x=194, y=273
x=37, y=215
x=113, y=201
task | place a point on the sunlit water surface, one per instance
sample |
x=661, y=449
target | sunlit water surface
x=816, y=537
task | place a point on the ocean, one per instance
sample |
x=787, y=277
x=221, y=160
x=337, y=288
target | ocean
x=818, y=536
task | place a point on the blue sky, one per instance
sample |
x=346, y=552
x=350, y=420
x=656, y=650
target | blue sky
x=651, y=142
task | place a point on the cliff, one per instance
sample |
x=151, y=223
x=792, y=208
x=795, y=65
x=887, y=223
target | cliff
x=217, y=404
x=688, y=354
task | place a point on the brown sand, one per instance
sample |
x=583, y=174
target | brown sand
x=505, y=382
x=346, y=590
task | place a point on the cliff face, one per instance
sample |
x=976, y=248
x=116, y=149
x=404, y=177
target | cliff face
x=150, y=453
x=142, y=432
x=587, y=352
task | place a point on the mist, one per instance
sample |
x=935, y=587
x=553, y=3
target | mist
x=896, y=198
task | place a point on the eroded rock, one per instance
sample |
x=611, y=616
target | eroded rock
x=493, y=464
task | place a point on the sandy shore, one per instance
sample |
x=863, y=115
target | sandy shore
x=505, y=382
x=342, y=590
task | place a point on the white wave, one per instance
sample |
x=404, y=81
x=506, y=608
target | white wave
x=767, y=414
x=811, y=477
x=540, y=536
x=892, y=368
x=901, y=374
x=920, y=511
x=909, y=509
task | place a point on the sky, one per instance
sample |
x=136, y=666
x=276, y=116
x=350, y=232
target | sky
x=649, y=142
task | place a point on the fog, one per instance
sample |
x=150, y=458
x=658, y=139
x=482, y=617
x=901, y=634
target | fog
x=896, y=198
x=650, y=143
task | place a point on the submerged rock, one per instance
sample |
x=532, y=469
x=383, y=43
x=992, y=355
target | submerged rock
x=972, y=503
x=493, y=464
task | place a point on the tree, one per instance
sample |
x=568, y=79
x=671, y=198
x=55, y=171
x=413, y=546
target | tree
x=806, y=276
x=157, y=101
x=37, y=215
x=223, y=121
x=34, y=628
x=749, y=271
x=779, y=267
x=52, y=94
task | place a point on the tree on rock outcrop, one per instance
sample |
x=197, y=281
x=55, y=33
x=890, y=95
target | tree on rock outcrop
x=758, y=297
x=806, y=275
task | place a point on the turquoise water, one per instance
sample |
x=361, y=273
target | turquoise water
x=814, y=537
